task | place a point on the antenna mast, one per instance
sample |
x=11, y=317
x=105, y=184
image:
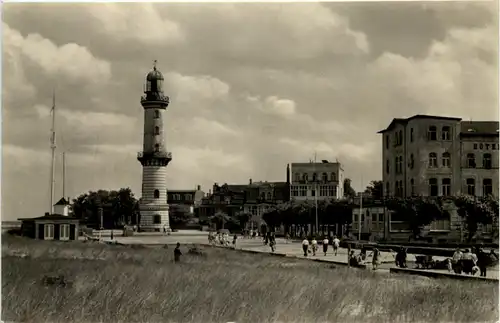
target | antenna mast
x=64, y=175
x=53, y=148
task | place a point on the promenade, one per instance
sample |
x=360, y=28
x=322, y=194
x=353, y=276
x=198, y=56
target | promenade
x=289, y=249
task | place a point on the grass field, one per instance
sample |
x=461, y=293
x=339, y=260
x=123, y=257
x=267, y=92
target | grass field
x=126, y=284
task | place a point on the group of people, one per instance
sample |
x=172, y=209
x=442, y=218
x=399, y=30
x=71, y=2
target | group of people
x=358, y=260
x=220, y=238
x=470, y=261
x=270, y=239
x=250, y=234
x=311, y=246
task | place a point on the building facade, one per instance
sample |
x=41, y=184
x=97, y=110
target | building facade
x=154, y=157
x=184, y=201
x=440, y=156
x=323, y=180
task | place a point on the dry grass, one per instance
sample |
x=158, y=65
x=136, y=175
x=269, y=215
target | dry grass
x=124, y=284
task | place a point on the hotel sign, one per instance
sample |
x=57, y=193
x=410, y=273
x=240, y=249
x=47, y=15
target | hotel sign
x=486, y=146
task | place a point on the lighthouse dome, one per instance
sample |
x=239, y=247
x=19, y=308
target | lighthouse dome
x=154, y=75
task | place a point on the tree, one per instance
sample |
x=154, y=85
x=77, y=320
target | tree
x=376, y=190
x=349, y=192
x=476, y=210
x=119, y=207
x=418, y=211
x=221, y=220
x=242, y=219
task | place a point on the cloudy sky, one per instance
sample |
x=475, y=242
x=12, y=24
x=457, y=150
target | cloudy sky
x=252, y=87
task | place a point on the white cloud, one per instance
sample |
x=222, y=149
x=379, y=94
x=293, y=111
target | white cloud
x=70, y=60
x=137, y=22
x=211, y=127
x=201, y=87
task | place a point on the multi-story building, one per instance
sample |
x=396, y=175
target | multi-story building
x=439, y=156
x=185, y=201
x=316, y=180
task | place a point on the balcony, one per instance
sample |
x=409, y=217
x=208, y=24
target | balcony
x=157, y=158
x=155, y=98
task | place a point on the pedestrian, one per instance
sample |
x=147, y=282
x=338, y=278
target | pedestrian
x=234, y=241
x=375, y=259
x=456, y=261
x=467, y=262
x=177, y=252
x=325, y=245
x=482, y=261
x=449, y=266
x=272, y=242
x=314, y=246
x=165, y=230
x=305, y=246
x=336, y=244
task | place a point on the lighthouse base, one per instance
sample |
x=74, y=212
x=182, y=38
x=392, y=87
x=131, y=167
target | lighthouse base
x=154, y=217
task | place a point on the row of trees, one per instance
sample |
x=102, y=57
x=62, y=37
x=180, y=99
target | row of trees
x=418, y=212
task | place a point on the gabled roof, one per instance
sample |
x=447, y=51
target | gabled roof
x=404, y=121
x=51, y=217
x=62, y=201
x=479, y=128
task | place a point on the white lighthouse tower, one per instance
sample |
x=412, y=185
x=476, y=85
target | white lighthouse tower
x=154, y=156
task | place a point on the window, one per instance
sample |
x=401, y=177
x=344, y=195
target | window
x=471, y=186
x=471, y=161
x=397, y=188
x=189, y=197
x=48, y=231
x=400, y=137
x=295, y=191
x=433, y=187
x=157, y=114
x=432, y=160
x=412, y=161
x=303, y=190
x=401, y=188
x=157, y=219
x=387, y=141
x=411, y=134
x=323, y=190
x=387, y=189
x=313, y=192
x=332, y=190
x=396, y=138
x=157, y=131
x=446, y=160
x=324, y=177
x=432, y=133
x=440, y=225
x=446, y=186
x=157, y=148
x=396, y=162
x=487, y=187
x=315, y=177
x=64, y=232
x=269, y=196
x=304, y=177
x=487, y=161
x=412, y=186
x=387, y=166
x=297, y=177
x=446, y=133
x=334, y=177
x=156, y=194
x=400, y=164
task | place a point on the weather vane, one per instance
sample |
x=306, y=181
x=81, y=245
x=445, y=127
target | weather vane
x=154, y=64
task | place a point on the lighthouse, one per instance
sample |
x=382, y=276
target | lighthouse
x=154, y=156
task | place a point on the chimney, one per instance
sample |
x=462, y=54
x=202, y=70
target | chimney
x=198, y=187
x=47, y=214
x=250, y=181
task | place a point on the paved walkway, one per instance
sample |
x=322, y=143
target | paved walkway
x=291, y=249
